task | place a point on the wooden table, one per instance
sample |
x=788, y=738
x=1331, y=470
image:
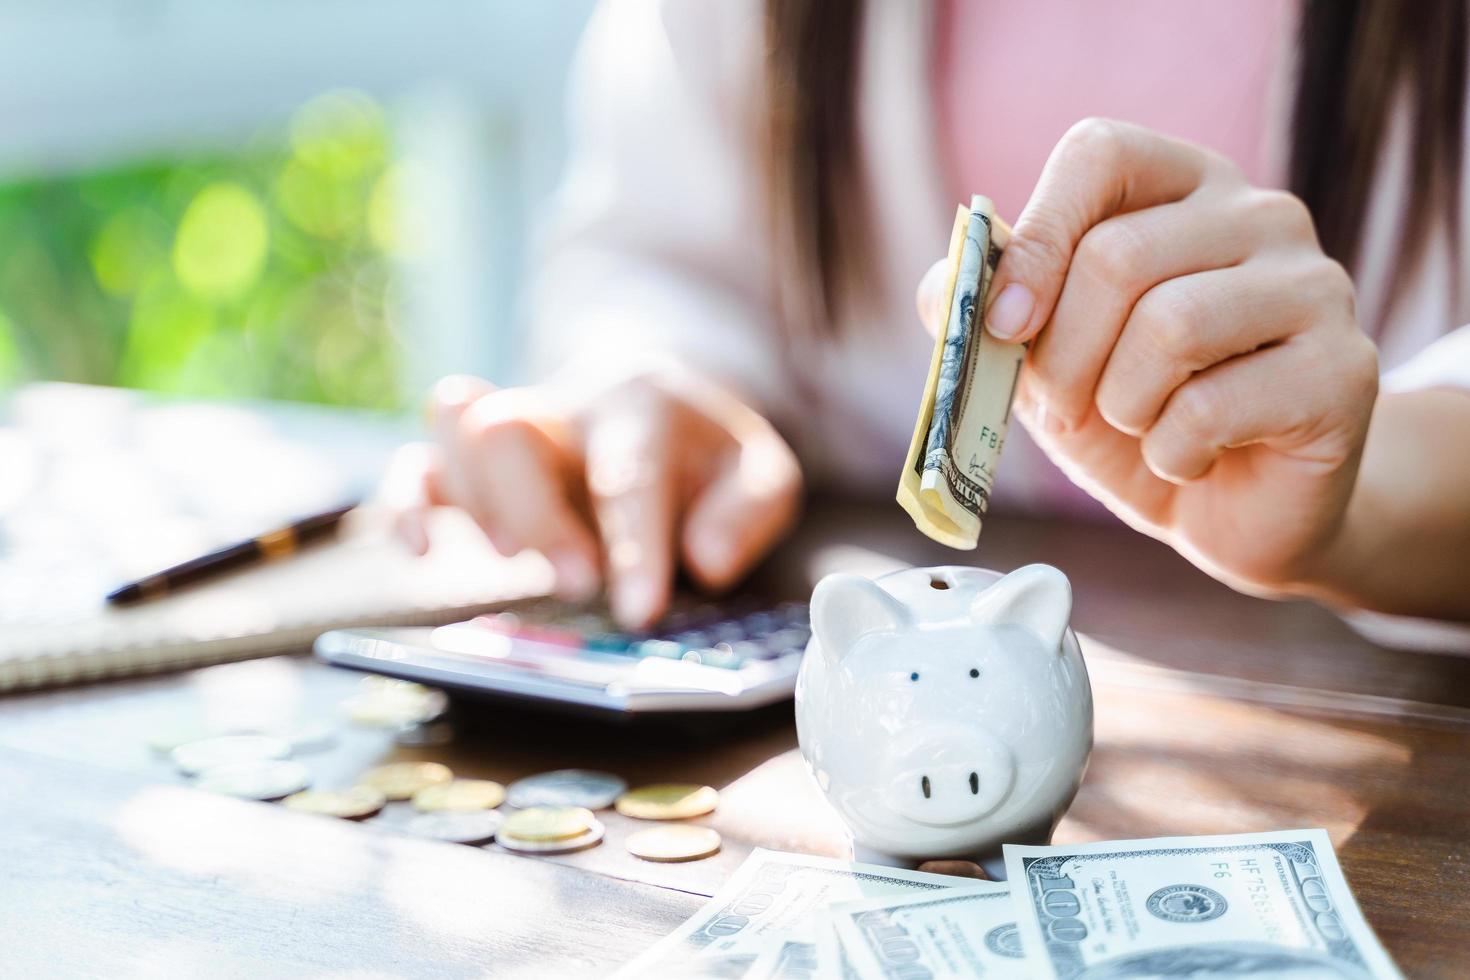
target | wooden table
x=1216, y=713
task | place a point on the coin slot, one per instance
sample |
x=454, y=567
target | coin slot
x=974, y=784
x=924, y=785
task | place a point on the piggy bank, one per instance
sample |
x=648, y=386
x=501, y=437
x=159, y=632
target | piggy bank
x=945, y=711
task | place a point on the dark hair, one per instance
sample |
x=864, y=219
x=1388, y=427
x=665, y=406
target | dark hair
x=1355, y=58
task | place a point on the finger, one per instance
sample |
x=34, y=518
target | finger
x=1116, y=262
x=1101, y=460
x=411, y=485
x=743, y=511
x=1099, y=168
x=1186, y=325
x=630, y=480
x=454, y=393
x=929, y=297
x=514, y=480
x=1279, y=397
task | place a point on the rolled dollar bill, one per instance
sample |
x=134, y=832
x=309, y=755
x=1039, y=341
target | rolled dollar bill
x=950, y=469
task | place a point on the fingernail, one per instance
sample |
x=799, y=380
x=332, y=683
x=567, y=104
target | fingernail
x=576, y=578
x=634, y=599
x=1010, y=312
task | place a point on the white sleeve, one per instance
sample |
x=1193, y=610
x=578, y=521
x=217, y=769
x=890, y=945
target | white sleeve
x=1443, y=364
x=658, y=245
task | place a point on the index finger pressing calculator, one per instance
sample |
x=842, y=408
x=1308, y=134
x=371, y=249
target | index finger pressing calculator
x=702, y=657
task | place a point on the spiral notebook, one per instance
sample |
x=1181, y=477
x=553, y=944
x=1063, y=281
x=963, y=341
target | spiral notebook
x=98, y=486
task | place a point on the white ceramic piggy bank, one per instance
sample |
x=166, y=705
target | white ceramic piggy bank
x=945, y=711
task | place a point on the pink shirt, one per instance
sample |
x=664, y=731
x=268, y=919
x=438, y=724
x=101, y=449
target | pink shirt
x=1012, y=77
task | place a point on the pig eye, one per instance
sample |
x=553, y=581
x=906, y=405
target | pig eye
x=974, y=672
x=914, y=676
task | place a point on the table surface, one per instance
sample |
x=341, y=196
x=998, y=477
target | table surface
x=1215, y=713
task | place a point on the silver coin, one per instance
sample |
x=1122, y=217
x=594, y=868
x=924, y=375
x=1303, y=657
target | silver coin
x=463, y=827
x=308, y=738
x=256, y=780
x=567, y=787
x=592, y=835
x=192, y=758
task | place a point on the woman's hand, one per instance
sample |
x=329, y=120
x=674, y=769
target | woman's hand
x=1196, y=362
x=620, y=482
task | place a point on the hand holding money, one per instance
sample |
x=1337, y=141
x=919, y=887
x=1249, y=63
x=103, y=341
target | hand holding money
x=1195, y=360
x=950, y=469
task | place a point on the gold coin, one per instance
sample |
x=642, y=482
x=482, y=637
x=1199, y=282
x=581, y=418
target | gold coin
x=668, y=801
x=677, y=842
x=400, y=780
x=459, y=795
x=543, y=823
x=349, y=804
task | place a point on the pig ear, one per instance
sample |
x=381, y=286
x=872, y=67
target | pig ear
x=846, y=608
x=1036, y=597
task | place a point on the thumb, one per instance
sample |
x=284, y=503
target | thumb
x=1028, y=280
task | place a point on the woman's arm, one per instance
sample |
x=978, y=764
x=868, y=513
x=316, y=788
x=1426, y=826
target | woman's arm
x=1404, y=543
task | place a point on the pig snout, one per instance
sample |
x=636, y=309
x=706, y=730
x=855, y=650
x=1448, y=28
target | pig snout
x=947, y=775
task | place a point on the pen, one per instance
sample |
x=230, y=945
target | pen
x=266, y=547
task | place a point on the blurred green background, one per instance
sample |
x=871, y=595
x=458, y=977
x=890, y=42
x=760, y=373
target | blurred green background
x=265, y=271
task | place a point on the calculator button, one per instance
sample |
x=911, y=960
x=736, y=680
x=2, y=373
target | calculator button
x=609, y=642
x=761, y=623
x=752, y=650
x=727, y=631
x=719, y=655
x=669, y=649
x=790, y=638
x=794, y=613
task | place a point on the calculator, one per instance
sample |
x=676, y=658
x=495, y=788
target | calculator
x=701, y=657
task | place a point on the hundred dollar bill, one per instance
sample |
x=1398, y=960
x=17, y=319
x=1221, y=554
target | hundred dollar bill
x=950, y=469
x=770, y=903
x=1273, y=904
x=959, y=932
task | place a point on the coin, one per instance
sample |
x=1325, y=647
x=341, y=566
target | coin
x=349, y=804
x=676, y=842
x=165, y=740
x=587, y=838
x=420, y=733
x=314, y=737
x=544, y=823
x=400, y=780
x=668, y=801
x=567, y=787
x=386, y=702
x=460, y=795
x=471, y=827
x=193, y=758
x=269, y=780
